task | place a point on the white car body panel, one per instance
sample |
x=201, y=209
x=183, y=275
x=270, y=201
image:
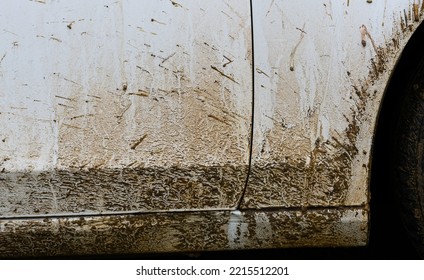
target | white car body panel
x=320, y=72
x=124, y=106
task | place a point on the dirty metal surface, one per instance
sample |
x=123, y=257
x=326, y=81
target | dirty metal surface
x=321, y=68
x=106, y=106
x=107, y=110
x=182, y=232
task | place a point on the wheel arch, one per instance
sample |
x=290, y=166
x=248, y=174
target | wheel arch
x=392, y=97
x=385, y=221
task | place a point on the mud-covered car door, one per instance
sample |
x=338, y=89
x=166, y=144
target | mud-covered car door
x=305, y=148
x=123, y=106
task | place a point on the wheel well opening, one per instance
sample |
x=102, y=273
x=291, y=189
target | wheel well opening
x=386, y=225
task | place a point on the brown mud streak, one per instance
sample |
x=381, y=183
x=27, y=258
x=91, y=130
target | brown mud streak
x=224, y=75
x=95, y=190
x=292, y=182
x=177, y=232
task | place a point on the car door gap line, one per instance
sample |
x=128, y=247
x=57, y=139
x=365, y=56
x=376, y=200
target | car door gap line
x=240, y=202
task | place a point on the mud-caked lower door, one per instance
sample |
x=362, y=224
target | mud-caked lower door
x=114, y=106
x=305, y=125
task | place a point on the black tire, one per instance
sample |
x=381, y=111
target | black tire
x=408, y=153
